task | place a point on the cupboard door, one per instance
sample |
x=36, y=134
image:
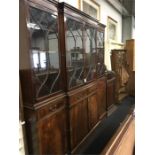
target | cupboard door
x=52, y=134
x=101, y=96
x=110, y=93
x=78, y=122
x=92, y=110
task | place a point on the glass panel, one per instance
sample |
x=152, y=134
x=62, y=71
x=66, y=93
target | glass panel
x=90, y=55
x=44, y=46
x=100, y=53
x=74, y=52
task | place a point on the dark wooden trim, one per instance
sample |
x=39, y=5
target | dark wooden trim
x=62, y=47
x=77, y=11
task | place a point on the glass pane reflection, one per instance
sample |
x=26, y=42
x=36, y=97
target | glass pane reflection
x=90, y=48
x=43, y=26
x=74, y=52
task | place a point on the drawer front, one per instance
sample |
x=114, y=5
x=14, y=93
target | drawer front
x=51, y=108
x=78, y=96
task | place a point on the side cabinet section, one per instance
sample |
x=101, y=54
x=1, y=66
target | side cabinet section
x=51, y=128
x=52, y=134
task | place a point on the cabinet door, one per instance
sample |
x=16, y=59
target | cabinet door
x=92, y=110
x=110, y=93
x=74, y=52
x=78, y=122
x=90, y=53
x=100, y=53
x=52, y=134
x=43, y=30
x=101, y=96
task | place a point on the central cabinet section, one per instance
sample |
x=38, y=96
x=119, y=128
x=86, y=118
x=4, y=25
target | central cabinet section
x=83, y=48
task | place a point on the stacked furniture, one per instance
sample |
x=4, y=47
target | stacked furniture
x=120, y=67
x=62, y=74
x=130, y=47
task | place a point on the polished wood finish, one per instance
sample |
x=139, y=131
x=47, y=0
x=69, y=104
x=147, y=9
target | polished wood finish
x=131, y=83
x=120, y=67
x=87, y=107
x=78, y=122
x=52, y=132
x=78, y=112
x=110, y=92
x=101, y=96
x=130, y=47
x=46, y=127
x=92, y=110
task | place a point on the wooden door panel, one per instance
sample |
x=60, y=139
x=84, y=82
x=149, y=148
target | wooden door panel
x=78, y=122
x=101, y=96
x=110, y=94
x=52, y=134
x=92, y=110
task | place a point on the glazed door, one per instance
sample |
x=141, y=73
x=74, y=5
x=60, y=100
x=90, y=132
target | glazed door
x=100, y=54
x=90, y=53
x=101, y=96
x=52, y=134
x=78, y=122
x=92, y=110
x=74, y=52
x=44, y=50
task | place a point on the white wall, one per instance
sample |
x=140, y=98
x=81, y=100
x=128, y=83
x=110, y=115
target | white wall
x=71, y=2
x=108, y=10
x=105, y=11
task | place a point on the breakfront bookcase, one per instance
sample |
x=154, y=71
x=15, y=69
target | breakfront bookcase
x=62, y=74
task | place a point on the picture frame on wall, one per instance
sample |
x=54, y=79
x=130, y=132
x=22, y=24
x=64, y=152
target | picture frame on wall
x=112, y=27
x=91, y=7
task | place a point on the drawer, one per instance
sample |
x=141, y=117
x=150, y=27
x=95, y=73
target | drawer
x=50, y=108
x=78, y=96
